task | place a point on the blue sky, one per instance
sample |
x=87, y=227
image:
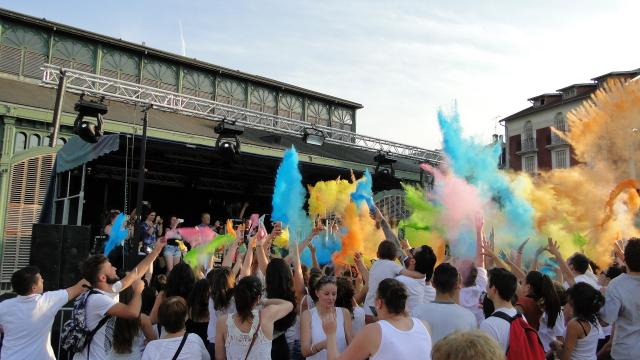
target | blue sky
x=401, y=59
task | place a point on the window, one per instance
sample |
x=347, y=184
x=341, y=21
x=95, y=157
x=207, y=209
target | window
x=528, y=141
x=61, y=141
x=560, y=159
x=559, y=123
x=34, y=141
x=529, y=164
x=20, y=142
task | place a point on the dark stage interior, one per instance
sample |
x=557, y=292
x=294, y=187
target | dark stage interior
x=185, y=181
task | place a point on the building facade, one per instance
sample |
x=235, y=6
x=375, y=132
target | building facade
x=26, y=161
x=531, y=145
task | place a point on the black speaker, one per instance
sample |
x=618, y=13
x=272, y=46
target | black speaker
x=58, y=250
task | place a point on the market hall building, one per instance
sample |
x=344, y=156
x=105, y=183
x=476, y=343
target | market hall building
x=185, y=173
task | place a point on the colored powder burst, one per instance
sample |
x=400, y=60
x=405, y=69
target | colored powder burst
x=195, y=236
x=326, y=244
x=478, y=165
x=330, y=197
x=289, y=197
x=361, y=235
x=118, y=234
x=364, y=192
x=200, y=254
x=588, y=198
x=424, y=215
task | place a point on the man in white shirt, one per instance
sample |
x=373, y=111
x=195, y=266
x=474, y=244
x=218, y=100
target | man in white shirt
x=102, y=276
x=500, y=289
x=622, y=306
x=422, y=261
x=384, y=268
x=444, y=315
x=27, y=319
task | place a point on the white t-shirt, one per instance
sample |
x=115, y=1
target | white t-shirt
x=429, y=294
x=163, y=349
x=357, y=323
x=547, y=335
x=380, y=270
x=416, y=289
x=27, y=321
x=445, y=318
x=214, y=315
x=585, y=278
x=470, y=296
x=499, y=328
x=96, y=308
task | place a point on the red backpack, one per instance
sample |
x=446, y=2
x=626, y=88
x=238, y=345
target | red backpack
x=524, y=343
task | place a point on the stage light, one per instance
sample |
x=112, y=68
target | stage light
x=228, y=144
x=384, y=177
x=313, y=136
x=87, y=131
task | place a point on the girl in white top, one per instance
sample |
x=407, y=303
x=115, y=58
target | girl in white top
x=172, y=314
x=221, y=303
x=395, y=336
x=583, y=331
x=313, y=338
x=235, y=333
x=130, y=335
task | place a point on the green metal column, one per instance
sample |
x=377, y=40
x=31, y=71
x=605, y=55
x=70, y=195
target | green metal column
x=98, y=59
x=180, y=77
x=5, y=170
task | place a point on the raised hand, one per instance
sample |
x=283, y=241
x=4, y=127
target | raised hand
x=553, y=247
x=521, y=247
x=329, y=324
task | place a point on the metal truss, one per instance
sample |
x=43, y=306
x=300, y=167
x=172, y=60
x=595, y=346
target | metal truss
x=96, y=85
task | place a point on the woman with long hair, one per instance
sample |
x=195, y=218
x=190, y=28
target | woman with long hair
x=279, y=285
x=180, y=282
x=222, y=282
x=542, y=308
x=130, y=335
x=247, y=334
x=345, y=299
x=198, y=301
x=313, y=338
x=583, y=331
x=541, y=297
x=395, y=335
x=171, y=252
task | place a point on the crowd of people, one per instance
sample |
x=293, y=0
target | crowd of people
x=258, y=302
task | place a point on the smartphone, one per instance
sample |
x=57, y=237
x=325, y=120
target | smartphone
x=373, y=310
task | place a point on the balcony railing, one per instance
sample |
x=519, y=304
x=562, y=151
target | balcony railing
x=528, y=144
x=557, y=140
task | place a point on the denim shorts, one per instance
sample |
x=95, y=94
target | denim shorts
x=172, y=251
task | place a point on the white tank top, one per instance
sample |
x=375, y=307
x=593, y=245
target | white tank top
x=237, y=342
x=586, y=347
x=398, y=344
x=317, y=333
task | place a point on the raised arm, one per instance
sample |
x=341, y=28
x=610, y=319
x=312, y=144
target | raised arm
x=77, y=289
x=138, y=272
x=314, y=259
x=389, y=234
x=275, y=309
x=132, y=309
x=227, y=261
x=564, y=267
x=248, y=259
x=298, y=279
x=536, y=258
x=480, y=241
x=362, y=269
x=518, y=260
